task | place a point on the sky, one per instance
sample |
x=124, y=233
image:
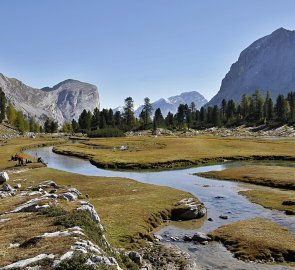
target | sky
x=137, y=48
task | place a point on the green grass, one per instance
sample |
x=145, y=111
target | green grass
x=272, y=176
x=257, y=239
x=169, y=152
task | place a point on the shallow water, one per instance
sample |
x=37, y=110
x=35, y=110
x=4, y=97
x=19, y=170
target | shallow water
x=235, y=206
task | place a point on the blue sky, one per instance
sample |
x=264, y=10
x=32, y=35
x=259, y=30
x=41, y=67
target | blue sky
x=137, y=48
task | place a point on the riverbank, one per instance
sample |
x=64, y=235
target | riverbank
x=17, y=145
x=258, y=240
x=271, y=176
x=131, y=153
x=282, y=200
x=280, y=196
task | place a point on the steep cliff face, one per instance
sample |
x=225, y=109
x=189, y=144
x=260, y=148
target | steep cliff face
x=268, y=63
x=63, y=102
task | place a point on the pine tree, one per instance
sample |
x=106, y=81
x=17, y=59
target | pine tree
x=159, y=119
x=169, y=120
x=85, y=120
x=282, y=109
x=75, y=126
x=47, y=127
x=215, y=116
x=95, y=119
x=11, y=114
x=147, y=112
x=2, y=105
x=291, y=100
x=129, y=118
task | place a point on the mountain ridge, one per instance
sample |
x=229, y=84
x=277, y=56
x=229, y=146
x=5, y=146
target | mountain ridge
x=171, y=104
x=63, y=102
x=266, y=64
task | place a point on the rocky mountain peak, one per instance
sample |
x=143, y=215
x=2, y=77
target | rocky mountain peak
x=63, y=102
x=171, y=104
x=267, y=64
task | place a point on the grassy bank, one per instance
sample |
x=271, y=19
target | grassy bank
x=258, y=239
x=272, y=176
x=15, y=146
x=272, y=199
x=171, y=152
x=129, y=210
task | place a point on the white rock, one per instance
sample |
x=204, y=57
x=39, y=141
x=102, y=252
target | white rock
x=89, y=208
x=3, y=177
x=68, y=196
x=48, y=184
x=26, y=262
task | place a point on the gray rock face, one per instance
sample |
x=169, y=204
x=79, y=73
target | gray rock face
x=268, y=63
x=63, y=102
x=171, y=104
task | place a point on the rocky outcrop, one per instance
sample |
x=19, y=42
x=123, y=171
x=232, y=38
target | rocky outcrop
x=88, y=244
x=63, y=102
x=268, y=63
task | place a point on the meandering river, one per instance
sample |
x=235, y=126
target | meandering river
x=234, y=205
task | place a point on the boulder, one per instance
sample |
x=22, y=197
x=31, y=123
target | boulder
x=201, y=237
x=135, y=257
x=6, y=187
x=30, y=206
x=223, y=217
x=48, y=184
x=188, y=209
x=68, y=196
x=187, y=238
x=75, y=191
x=158, y=237
x=3, y=177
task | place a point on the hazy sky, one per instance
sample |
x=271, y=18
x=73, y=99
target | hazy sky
x=138, y=48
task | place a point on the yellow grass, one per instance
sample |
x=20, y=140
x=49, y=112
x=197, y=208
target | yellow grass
x=12, y=147
x=257, y=239
x=273, y=176
x=271, y=198
x=150, y=152
x=128, y=209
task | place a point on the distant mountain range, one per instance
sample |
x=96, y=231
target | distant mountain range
x=171, y=104
x=63, y=102
x=268, y=63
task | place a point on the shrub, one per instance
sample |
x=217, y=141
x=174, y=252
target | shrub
x=106, y=132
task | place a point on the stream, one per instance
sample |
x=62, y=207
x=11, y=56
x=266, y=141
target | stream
x=234, y=205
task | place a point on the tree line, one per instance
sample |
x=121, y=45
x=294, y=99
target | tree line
x=251, y=110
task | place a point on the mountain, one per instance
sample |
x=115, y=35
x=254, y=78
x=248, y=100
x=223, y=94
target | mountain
x=268, y=63
x=171, y=104
x=63, y=102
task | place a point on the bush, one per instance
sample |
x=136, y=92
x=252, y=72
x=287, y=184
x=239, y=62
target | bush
x=77, y=262
x=106, y=132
